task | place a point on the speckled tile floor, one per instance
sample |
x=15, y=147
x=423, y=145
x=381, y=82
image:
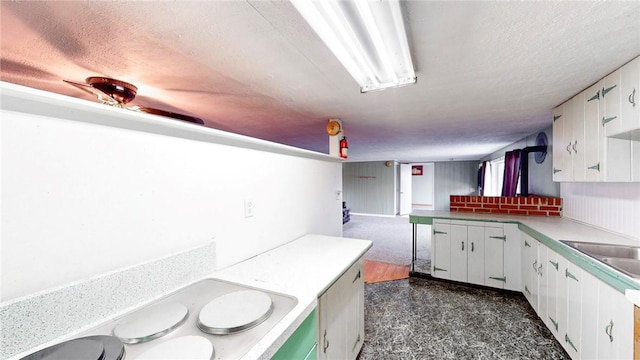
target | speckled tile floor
x=429, y=319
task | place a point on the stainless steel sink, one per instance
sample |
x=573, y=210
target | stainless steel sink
x=623, y=258
x=599, y=251
x=630, y=267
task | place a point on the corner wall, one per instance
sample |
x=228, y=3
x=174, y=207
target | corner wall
x=369, y=187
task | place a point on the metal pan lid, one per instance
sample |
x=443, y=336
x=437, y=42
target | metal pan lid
x=234, y=312
x=151, y=323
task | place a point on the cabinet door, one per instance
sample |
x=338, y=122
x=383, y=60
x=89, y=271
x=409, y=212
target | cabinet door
x=614, y=330
x=494, y=257
x=543, y=283
x=567, y=139
x=441, y=250
x=630, y=92
x=475, y=254
x=573, y=275
x=512, y=254
x=562, y=301
x=593, y=128
x=355, y=312
x=341, y=316
x=527, y=249
x=617, y=151
x=458, y=267
x=558, y=144
x=589, y=320
x=549, y=292
x=578, y=146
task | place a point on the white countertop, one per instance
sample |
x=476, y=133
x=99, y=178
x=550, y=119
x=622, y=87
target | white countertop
x=303, y=268
x=557, y=228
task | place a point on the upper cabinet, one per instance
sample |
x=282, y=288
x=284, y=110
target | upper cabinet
x=596, y=134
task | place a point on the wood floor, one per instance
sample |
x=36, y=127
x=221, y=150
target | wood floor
x=375, y=272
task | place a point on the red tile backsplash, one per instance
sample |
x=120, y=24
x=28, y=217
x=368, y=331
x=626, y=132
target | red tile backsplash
x=532, y=206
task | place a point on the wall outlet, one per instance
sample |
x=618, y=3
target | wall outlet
x=249, y=208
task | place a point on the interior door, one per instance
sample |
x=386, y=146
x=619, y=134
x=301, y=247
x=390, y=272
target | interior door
x=405, y=189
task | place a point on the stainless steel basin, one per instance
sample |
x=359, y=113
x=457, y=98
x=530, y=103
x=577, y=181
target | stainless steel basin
x=599, y=251
x=630, y=267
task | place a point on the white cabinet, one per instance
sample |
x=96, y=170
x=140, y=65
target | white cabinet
x=477, y=252
x=573, y=275
x=596, y=134
x=614, y=329
x=530, y=271
x=549, y=289
x=558, y=142
x=589, y=317
x=441, y=249
x=630, y=94
x=459, y=249
x=341, y=316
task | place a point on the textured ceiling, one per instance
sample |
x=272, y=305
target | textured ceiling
x=489, y=73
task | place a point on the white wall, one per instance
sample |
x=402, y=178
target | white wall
x=81, y=199
x=611, y=206
x=422, y=187
x=370, y=187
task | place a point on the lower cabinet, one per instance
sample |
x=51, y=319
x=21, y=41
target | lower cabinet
x=614, y=329
x=482, y=253
x=302, y=344
x=341, y=316
x=589, y=318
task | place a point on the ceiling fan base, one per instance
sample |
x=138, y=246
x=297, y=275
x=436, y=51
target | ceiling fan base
x=120, y=91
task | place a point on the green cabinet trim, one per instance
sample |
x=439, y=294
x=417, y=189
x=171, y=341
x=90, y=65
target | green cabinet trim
x=301, y=343
x=596, y=268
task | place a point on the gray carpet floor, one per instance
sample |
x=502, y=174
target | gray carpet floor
x=391, y=237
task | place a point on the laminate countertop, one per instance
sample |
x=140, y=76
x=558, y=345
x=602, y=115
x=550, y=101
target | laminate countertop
x=304, y=268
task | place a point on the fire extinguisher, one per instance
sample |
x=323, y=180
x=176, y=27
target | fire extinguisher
x=344, y=145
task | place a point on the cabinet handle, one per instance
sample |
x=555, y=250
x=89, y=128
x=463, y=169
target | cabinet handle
x=632, y=97
x=325, y=342
x=567, y=340
x=435, y=268
x=595, y=167
x=595, y=97
x=356, y=344
x=605, y=91
x=556, y=117
x=438, y=232
x=462, y=245
x=574, y=147
x=503, y=238
x=555, y=264
x=568, y=148
x=357, y=277
x=472, y=247
x=535, y=266
x=609, y=330
x=540, y=269
x=608, y=120
x=555, y=323
x=503, y=279
x=570, y=275
x=556, y=170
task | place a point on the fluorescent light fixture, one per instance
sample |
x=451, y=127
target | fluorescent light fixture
x=368, y=37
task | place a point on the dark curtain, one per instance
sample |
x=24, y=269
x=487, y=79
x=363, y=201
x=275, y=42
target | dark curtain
x=511, y=172
x=481, y=173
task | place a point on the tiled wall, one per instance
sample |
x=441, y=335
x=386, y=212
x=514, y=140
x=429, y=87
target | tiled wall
x=533, y=205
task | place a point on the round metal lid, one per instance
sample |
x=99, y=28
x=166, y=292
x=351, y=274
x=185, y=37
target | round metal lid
x=234, y=312
x=180, y=348
x=72, y=349
x=151, y=323
x=113, y=347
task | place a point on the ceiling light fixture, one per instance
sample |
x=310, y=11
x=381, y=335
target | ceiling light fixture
x=368, y=37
